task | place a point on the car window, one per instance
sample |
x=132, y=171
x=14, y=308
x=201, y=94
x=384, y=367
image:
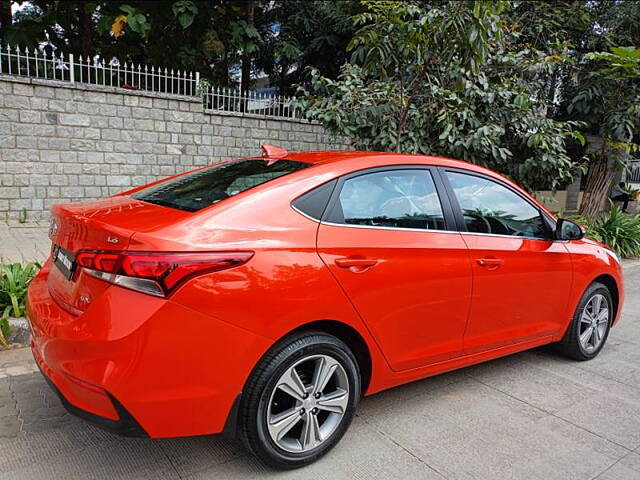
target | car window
x=315, y=201
x=202, y=188
x=489, y=207
x=395, y=198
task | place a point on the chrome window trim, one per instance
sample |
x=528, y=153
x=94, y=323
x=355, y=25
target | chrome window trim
x=321, y=222
x=304, y=214
x=508, y=236
x=399, y=229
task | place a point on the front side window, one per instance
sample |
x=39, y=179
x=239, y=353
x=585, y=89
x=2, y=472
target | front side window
x=489, y=207
x=395, y=198
x=196, y=190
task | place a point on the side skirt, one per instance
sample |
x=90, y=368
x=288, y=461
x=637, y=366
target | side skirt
x=398, y=378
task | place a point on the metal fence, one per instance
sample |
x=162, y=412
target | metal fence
x=233, y=100
x=633, y=175
x=45, y=64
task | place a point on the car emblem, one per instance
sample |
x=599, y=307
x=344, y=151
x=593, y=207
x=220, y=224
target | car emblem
x=112, y=239
x=85, y=299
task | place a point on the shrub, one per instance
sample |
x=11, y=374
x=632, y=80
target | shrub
x=617, y=229
x=634, y=193
x=14, y=281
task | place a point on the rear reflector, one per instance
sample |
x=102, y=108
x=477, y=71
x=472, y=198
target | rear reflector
x=155, y=273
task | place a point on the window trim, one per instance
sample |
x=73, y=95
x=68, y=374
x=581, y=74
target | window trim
x=447, y=211
x=459, y=218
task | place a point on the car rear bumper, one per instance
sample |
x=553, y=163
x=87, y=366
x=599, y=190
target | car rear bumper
x=125, y=425
x=141, y=365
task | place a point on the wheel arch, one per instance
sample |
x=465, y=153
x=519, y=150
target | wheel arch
x=610, y=282
x=350, y=336
x=343, y=331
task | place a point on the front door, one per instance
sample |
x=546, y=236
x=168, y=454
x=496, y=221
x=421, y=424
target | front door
x=384, y=238
x=521, y=277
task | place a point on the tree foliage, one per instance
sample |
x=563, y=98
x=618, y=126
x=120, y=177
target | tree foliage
x=608, y=98
x=214, y=37
x=444, y=81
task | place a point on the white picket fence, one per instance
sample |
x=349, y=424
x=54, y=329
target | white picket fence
x=45, y=64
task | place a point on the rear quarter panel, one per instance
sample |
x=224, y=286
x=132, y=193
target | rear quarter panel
x=284, y=286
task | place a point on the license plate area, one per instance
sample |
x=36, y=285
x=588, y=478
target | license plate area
x=65, y=261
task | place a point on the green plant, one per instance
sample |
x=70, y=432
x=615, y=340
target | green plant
x=634, y=193
x=14, y=280
x=608, y=99
x=617, y=229
x=445, y=80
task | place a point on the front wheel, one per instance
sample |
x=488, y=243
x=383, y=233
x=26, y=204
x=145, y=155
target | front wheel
x=300, y=400
x=591, y=323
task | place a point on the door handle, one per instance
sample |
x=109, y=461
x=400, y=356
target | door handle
x=490, y=263
x=356, y=265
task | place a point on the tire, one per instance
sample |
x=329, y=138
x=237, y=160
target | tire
x=571, y=345
x=286, y=428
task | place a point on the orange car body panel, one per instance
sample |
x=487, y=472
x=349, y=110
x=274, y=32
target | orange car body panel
x=177, y=364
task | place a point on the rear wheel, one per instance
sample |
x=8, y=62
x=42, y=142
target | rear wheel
x=589, y=329
x=299, y=400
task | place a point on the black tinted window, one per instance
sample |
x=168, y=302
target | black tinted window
x=396, y=198
x=202, y=188
x=314, y=202
x=489, y=207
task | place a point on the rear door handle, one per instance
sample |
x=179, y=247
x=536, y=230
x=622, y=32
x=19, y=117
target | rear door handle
x=356, y=264
x=490, y=263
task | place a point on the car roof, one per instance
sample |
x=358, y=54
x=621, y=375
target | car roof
x=333, y=156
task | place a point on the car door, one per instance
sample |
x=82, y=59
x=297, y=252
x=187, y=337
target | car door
x=387, y=237
x=521, y=276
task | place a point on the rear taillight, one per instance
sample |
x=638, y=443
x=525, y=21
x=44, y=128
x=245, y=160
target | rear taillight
x=155, y=273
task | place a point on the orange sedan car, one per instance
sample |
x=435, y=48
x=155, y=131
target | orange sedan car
x=264, y=296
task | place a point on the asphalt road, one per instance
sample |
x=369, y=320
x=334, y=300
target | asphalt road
x=531, y=415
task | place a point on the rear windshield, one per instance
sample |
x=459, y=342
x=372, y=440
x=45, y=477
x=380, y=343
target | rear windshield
x=197, y=190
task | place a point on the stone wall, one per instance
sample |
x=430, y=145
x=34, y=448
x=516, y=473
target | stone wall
x=64, y=142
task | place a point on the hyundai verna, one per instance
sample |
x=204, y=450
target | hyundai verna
x=262, y=297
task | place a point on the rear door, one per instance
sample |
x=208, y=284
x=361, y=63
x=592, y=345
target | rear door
x=387, y=236
x=521, y=276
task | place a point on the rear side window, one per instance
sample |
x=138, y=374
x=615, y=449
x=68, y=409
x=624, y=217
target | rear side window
x=395, y=198
x=197, y=190
x=314, y=202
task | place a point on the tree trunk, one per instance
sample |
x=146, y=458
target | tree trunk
x=246, y=58
x=5, y=17
x=596, y=190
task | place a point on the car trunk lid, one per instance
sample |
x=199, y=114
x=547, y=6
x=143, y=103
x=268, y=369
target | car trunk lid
x=106, y=224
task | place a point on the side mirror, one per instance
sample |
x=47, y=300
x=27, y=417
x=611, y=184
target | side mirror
x=568, y=230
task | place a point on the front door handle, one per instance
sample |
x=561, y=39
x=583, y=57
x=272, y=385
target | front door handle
x=356, y=265
x=490, y=263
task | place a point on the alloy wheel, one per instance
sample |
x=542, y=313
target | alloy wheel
x=594, y=323
x=307, y=403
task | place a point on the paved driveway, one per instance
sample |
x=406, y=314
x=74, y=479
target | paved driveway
x=531, y=415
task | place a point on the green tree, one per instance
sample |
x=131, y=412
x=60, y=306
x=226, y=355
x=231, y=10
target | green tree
x=218, y=38
x=608, y=97
x=306, y=33
x=443, y=81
